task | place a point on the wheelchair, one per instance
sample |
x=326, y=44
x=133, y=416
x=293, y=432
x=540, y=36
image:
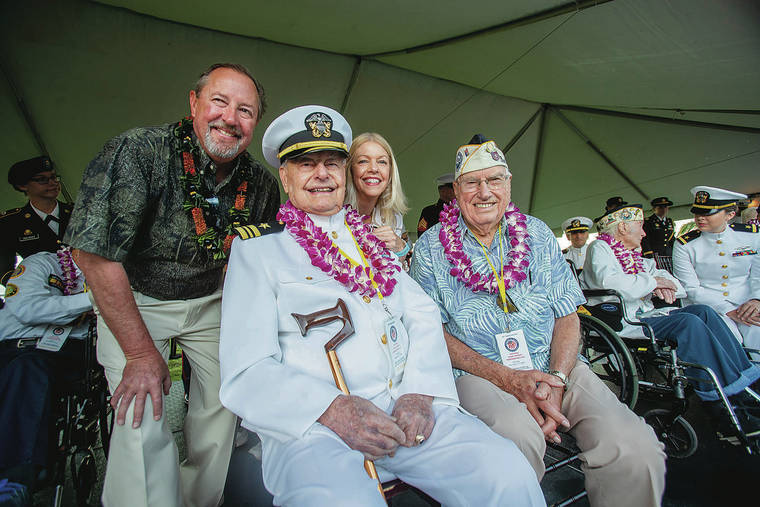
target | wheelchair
x=82, y=419
x=648, y=367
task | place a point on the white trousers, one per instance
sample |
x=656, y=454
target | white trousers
x=143, y=468
x=463, y=463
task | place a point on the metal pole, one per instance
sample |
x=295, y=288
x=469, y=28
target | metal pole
x=537, y=160
x=599, y=152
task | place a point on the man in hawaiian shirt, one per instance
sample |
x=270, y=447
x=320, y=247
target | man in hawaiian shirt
x=403, y=410
x=153, y=223
x=507, y=300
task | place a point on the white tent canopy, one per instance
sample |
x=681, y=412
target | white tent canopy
x=638, y=98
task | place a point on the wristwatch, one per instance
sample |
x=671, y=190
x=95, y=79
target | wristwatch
x=560, y=376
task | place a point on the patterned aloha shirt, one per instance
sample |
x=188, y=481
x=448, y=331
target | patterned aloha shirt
x=550, y=292
x=130, y=210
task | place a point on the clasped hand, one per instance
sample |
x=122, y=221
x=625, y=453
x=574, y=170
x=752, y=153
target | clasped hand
x=542, y=395
x=747, y=313
x=385, y=234
x=366, y=428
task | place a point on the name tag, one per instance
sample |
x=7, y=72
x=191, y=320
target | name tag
x=54, y=337
x=513, y=348
x=398, y=347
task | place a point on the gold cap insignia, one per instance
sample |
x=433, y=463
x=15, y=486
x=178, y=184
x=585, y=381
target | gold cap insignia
x=701, y=197
x=320, y=124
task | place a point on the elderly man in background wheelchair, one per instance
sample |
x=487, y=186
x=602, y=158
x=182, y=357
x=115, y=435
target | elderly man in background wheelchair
x=702, y=338
x=42, y=346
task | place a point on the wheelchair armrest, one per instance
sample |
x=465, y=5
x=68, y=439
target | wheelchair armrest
x=601, y=292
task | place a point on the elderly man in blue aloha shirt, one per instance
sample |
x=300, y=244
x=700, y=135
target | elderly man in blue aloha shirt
x=508, y=300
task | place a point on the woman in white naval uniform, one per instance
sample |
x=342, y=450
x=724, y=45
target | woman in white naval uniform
x=314, y=438
x=719, y=265
x=576, y=230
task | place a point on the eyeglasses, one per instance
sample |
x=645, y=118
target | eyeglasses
x=493, y=182
x=45, y=179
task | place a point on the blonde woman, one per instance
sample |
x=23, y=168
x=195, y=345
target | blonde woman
x=373, y=188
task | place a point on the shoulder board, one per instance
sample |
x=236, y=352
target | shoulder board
x=744, y=227
x=9, y=212
x=67, y=207
x=254, y=231
x=689, y=236
x=566, y=250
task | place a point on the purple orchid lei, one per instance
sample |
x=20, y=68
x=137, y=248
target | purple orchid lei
x=517, y=257
x=69, y=270
x=630, y=260
x=325, y=255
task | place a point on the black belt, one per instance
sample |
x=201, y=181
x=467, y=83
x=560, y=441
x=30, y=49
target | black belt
x=19, y=343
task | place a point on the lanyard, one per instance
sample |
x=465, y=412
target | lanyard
x=365, y=263
x=499, y=276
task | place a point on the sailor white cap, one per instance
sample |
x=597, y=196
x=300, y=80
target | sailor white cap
x=579, y=224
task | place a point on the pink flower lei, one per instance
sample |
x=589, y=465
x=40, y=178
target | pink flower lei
x=630, y=260
x=517, y=257
x=69, y=269
x=325, y=255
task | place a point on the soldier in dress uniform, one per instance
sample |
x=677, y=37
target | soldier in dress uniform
x=576, y=230
x=718, y=264
x=660, y=230
x=43, y=326
x=429, y=215
x=39, y=225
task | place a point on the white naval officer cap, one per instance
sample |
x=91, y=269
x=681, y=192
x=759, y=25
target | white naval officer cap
x=710, y=200
x=577, y=224
x=305, y=129
x=444, y=179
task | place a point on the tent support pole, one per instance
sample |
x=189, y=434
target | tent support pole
x=522, y=130
x=599, y=152
x=30, y=121
x=659, y=119
x=539, y=149
x=575, y=6
x=351, y=83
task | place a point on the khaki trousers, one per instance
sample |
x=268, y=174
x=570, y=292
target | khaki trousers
x=622, y=459
x=143, y=468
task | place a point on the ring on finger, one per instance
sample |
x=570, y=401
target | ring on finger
x=419, y=439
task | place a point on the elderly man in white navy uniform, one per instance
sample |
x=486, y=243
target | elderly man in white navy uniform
x=41, y=345
x=403, y=410
x=718, y=263
x=576, y=231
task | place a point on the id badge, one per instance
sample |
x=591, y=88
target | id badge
x=513, y=348
x=54, y=337
x=398, y=346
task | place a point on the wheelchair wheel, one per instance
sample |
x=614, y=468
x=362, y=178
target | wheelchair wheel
x=609, y=359
x=679, y=437
x=105, y=418
x=84, y=477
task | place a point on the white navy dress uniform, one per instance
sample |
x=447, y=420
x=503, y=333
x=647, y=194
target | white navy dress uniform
x=721, y=270
x=576, y=255
x=279, y=382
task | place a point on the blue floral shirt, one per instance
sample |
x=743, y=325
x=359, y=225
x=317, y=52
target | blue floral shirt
x=550, y=292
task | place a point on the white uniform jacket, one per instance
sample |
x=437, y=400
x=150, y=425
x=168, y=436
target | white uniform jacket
x=34, y=300
x=603, y=271
x=576, y=255
x=278, y=381
x=721, y=270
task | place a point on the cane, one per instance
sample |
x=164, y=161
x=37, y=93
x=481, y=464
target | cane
x=320, y=318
